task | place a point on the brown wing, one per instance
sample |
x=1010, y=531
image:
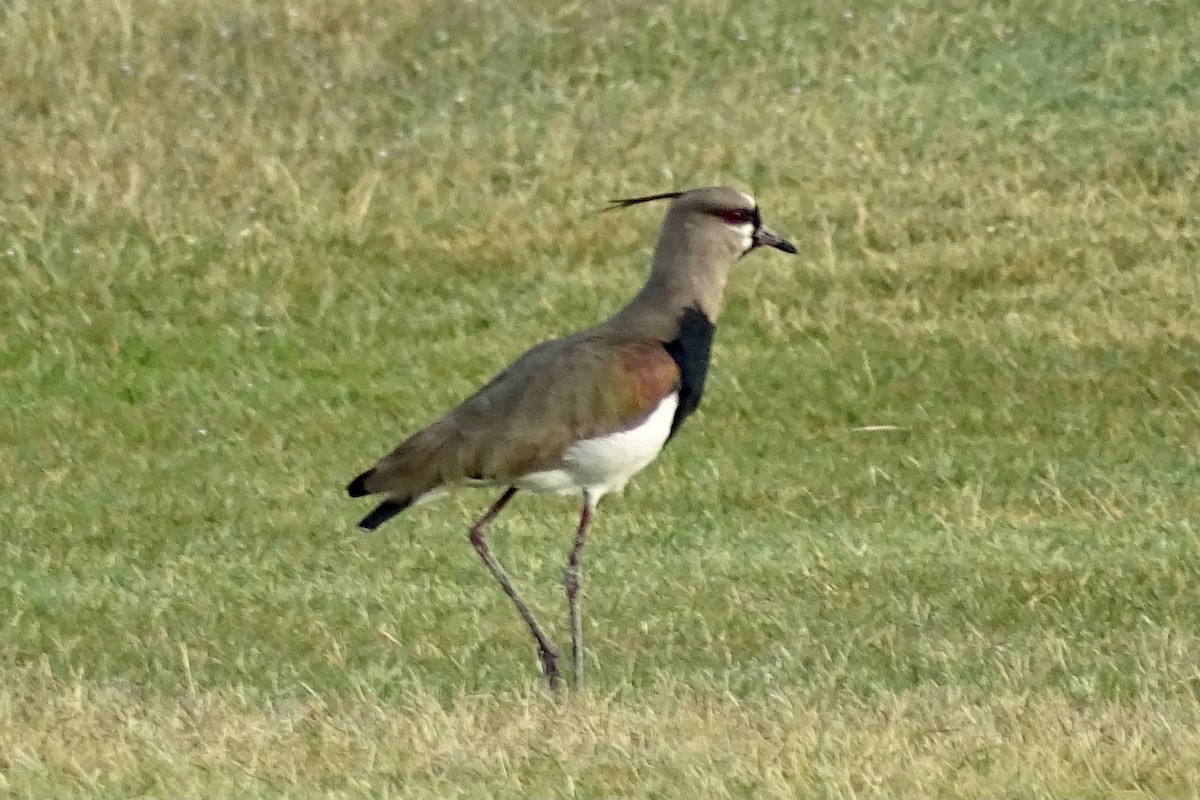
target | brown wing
x=524, y=419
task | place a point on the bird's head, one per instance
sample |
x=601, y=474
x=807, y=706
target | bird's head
x=705, y=232
x=719, y=213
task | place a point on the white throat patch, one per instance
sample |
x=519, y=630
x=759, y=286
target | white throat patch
x=747, y=232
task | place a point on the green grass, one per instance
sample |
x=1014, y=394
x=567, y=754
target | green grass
x=932, y=533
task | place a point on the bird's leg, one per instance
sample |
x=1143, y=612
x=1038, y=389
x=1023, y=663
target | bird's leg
x=546, y=652
x=572, y=578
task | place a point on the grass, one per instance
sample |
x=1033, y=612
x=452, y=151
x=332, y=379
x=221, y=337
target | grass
x=933, y=531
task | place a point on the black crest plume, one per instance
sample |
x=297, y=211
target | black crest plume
x=633, y=201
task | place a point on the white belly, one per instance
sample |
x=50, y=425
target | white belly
x=606, y=463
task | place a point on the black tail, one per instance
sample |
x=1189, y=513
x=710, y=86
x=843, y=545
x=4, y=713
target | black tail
x=358, y=486
x=382, y=513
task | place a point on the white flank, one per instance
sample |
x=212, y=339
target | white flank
x=606, y=463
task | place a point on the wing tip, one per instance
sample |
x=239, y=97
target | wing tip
x=382, y=513
x=358, y=486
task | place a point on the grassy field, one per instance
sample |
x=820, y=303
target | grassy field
x=934, y=532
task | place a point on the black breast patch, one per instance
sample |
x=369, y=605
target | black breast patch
x=690, y=350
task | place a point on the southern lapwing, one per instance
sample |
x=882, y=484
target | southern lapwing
x=584, y=413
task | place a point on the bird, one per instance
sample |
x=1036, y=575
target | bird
x=583, y=413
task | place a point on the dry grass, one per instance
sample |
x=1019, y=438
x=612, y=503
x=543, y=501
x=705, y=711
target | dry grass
x=73, y=739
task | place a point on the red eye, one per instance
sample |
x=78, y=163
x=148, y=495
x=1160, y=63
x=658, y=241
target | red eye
x=734, y=216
